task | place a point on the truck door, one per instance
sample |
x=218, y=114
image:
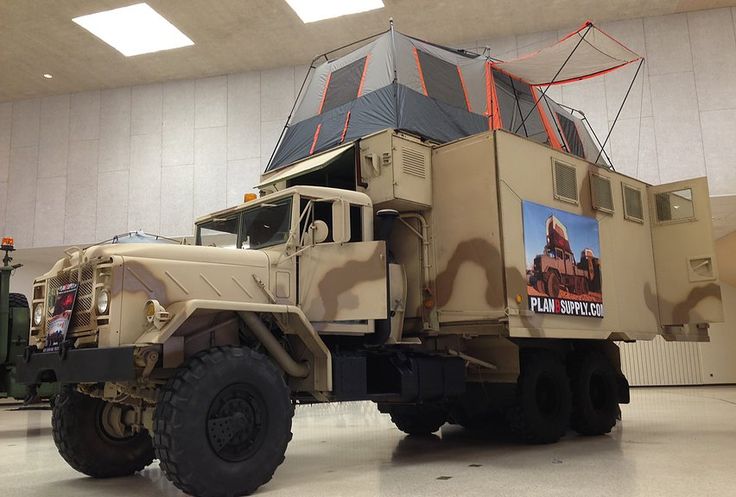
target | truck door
x=340, y=279
x=684, y=256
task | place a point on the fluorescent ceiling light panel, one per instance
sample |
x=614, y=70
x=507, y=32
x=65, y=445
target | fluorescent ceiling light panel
x=318, y=10
x=134, y=30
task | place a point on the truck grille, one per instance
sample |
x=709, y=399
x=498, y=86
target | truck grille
x=82, y=314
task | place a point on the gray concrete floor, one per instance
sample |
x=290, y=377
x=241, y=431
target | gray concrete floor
x=672, y=442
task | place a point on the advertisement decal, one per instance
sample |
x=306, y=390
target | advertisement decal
x=563, y=262
x=61, y=315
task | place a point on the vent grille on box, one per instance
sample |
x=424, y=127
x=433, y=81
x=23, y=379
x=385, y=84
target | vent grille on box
x=565, y=182
x=600, y=191
x=413, y=163
x=633, y=207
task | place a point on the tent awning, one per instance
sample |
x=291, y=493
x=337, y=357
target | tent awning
x=582, y=54
x=314, y=163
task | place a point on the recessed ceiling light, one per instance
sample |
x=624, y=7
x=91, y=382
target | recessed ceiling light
x=48, y=76
x=317, y=10
x=134, y=30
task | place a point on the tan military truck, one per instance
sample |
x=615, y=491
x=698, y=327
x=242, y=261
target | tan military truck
x=408, y=286
x=394, y=267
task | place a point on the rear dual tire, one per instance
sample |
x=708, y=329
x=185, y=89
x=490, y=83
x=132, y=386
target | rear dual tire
x=541, y=413
x=594, y=388
x=551, y=399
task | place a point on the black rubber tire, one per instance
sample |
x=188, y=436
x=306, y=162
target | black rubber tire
x=541, y=414
x=553, y=284
x=192, y=399
x=419, y=419
x=84, y=444
x=18, y=300
x=594, y=392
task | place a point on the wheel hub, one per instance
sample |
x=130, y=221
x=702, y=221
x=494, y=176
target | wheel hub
x=235, y=423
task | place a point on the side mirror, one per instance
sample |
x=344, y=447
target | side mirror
x=340, y=221
x=319, y=231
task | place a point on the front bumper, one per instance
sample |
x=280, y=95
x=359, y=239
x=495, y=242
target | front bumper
x=78, y=366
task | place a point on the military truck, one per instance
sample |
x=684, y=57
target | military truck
x=557, y=268
x=387, y=266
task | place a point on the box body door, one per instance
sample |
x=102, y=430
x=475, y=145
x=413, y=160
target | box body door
x=688, y=291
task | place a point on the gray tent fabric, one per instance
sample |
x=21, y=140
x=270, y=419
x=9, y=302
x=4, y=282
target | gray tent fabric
x=438, y=93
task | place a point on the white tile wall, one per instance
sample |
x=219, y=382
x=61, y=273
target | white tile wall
x=146, y=109
x=244, y=115
x=210, y=170
x=6, y=113
x=74, y=168
x=114, y=151
x=177, y=192
x=210, y=102
x=20, y=212
x=54, y=139
x=84, y=119
x=144, y=183
x=177, y=139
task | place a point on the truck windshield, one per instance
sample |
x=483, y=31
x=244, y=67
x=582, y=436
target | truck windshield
x=219, y=233
x=268, y=224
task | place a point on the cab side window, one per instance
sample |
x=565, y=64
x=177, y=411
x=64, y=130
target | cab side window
x=356, y=223
x=321, y=211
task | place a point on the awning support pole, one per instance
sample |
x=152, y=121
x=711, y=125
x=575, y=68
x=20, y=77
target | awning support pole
x=396, y=73
x=589, y=127
x=557, y=127
x=623, y=102
x=534, y=107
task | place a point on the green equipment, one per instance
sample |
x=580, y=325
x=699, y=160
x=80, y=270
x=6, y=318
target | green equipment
x=15, y=322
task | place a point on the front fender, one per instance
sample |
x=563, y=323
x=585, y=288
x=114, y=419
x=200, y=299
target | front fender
x=291, y=319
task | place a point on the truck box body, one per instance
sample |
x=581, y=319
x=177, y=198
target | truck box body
x=485, y=199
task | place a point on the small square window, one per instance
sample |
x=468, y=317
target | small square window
x=565, y=182
x=674, y=206
x=600, y=193
x=633, y=206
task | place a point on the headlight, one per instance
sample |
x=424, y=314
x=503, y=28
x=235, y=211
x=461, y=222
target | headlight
x=37, y=315
x=103, y=302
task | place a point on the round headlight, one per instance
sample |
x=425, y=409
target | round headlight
x=103, y=302
x=37, y=314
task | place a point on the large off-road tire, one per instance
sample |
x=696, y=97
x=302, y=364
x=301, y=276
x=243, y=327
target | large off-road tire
x=18, y=300
x=553, y=284
x=223, y=422
x=419, y=419
x=594, y=394
x=84, y=442
x=542, y=411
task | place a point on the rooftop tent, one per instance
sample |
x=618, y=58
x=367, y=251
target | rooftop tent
x=394, y=81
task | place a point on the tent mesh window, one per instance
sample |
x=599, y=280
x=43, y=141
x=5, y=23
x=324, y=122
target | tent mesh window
x=633, y=207
x=516, y=102
x=565, y=182
x=600, y=192
x=343, y=85
x=571, y=135
x=442, y=80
